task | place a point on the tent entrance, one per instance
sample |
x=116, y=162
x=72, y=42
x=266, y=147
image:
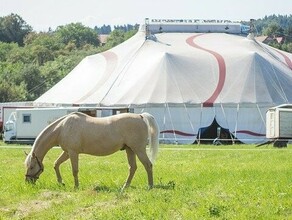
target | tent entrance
x=215, y=134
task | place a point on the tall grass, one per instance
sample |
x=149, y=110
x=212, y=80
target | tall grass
x=191, y=182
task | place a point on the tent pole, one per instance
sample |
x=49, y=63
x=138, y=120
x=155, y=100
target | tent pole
x=164, y=119
x=200, y=123
x=235, y=130
x=171, y=123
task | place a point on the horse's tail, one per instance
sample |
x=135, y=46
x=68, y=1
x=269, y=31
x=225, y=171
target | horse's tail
x=153, y=135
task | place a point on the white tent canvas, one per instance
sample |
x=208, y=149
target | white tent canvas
x=185, y=80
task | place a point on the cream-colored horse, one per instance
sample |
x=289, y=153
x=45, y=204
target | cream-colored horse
x=78, y=133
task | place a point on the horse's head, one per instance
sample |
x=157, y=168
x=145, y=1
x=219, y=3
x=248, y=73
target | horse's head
x=34, y=168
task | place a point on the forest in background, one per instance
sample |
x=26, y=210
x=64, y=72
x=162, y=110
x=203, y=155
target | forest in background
x=32, y=62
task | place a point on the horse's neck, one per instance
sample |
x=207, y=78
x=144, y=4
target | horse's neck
x=41, y=147
x=45, y=141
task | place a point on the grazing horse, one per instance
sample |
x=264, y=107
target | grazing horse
x=79, y=133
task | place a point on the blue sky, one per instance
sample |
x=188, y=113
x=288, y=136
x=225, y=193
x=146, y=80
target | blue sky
x=42, y=14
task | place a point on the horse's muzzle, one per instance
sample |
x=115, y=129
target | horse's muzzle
x=31, y=180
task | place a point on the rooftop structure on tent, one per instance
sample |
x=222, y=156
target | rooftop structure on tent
x=154, y=26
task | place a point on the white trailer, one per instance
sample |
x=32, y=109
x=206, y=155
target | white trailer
x=279, y=122
x=24, y=125
x=7, y=107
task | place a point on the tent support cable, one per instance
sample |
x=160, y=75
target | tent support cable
x=226, y=122
x=121, y=73
x=262, y=117
x=282, y=90
x=189, y=117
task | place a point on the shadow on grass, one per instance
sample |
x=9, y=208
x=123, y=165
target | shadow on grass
x=104, y=188
x=168, y=186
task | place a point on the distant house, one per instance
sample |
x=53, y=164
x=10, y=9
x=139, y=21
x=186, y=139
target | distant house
x=280, y=40
x=103, y=38
x=261, y=38
x=268, y=39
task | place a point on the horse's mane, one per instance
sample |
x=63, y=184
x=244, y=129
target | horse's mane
x=27, y=160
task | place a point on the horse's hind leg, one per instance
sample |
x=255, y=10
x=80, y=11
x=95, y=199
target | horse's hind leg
x=62, y=158
x=132, y=166
x=142, y=155
x=75, y=168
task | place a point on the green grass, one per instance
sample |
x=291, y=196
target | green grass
x=191, y=182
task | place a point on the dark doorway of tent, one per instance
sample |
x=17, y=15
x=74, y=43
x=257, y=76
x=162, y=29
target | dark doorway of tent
x=215, y=134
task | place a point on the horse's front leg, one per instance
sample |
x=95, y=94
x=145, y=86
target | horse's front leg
x=74, y=162
x=61, y=159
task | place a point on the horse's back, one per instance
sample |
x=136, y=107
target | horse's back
x=104, y=135
x=129, y=126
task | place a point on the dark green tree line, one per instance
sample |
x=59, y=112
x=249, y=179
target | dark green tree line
x=13, y=29
x=31, y=62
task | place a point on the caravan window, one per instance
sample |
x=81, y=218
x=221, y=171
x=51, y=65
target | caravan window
x=26, y=118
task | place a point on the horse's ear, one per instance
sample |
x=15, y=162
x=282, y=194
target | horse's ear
x=25, y=153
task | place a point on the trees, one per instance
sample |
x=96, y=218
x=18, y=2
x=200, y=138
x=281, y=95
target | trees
x=11, y=86
x=78, y=34
x=118, y=36
x=31, y=66
x=9, y=92
x=273, y=29
x=13, y=29
x=105, y=29
x=277, y=26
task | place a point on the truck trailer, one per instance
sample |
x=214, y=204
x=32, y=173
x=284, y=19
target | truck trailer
x=7, y=107
x=279, y=125
x=24, y=125
x=279, y=122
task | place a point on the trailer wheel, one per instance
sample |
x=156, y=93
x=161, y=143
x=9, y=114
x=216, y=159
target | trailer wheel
x=280, y=143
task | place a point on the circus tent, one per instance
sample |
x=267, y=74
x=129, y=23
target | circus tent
x=186, y=76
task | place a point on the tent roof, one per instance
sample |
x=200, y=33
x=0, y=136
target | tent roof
x=175, y=68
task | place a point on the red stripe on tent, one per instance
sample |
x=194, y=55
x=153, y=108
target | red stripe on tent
x=222, y=70
x=177, y=132
x=287, y=59
x=250, y=133
x=188, y=134
x=191, y=135
x=111, y=63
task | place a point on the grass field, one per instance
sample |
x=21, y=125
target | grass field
x=191, y=182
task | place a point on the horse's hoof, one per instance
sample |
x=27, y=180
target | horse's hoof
x=124, y=187
x=61, y=184
x=150, y=187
